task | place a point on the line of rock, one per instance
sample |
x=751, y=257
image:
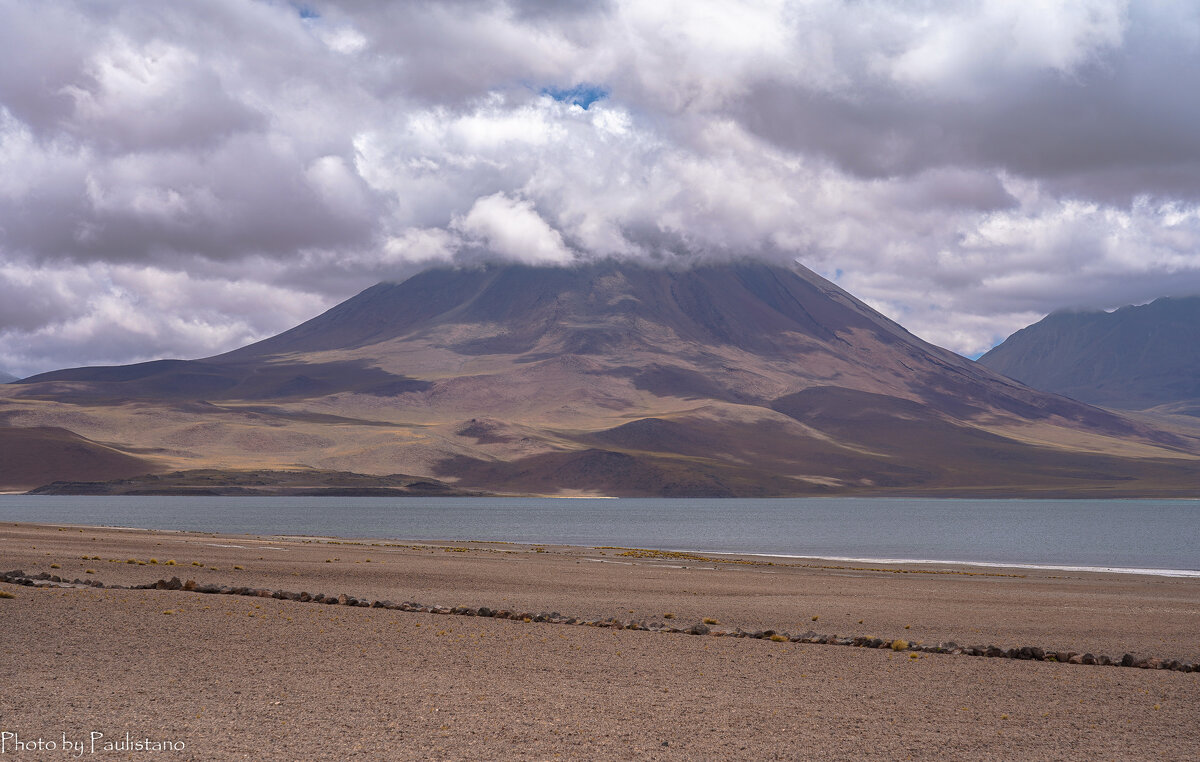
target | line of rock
x=1029, y=653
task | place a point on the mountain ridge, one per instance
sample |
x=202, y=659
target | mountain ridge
x=613, y=378
x=1133, y=358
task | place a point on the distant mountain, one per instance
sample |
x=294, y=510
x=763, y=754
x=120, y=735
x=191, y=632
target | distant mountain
x=1133, y=358
x=6, y=377
x=612, y=378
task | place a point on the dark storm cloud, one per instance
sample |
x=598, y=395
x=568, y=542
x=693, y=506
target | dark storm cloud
x=967, y=167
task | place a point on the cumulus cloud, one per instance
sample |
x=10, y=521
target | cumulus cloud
x=513, y=229
x=964, y=166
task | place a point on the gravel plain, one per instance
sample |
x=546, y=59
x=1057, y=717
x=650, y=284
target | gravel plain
x=231, y=677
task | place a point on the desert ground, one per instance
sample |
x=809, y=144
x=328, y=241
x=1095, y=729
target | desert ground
x=218, y=677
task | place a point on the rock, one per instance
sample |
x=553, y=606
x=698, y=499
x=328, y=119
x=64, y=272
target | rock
x=699, y=628
x=304, y=597
x=1075, y=659
x=189, y=585
x=1127, y=660
x=1089, y=659
x=1064, y=656
x=485, y=611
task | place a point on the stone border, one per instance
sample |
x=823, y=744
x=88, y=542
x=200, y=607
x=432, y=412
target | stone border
x=1028, y=653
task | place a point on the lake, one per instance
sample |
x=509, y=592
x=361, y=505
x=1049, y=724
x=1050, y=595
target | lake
x=1157, y=536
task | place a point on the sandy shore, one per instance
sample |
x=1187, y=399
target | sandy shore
x=235, y=678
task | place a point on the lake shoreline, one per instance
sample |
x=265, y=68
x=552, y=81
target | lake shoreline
x=1132, y=537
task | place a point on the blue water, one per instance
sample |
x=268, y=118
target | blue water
x=1119, y=535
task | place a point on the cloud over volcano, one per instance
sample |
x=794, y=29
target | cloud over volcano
x=178, y=180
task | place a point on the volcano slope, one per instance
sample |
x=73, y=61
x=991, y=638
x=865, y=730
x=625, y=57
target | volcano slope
x=737, y=379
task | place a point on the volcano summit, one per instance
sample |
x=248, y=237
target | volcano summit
x=737, y=379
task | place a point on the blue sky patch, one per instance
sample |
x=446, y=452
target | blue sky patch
x=582, y=95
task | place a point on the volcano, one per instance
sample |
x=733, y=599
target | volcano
x=736, y=379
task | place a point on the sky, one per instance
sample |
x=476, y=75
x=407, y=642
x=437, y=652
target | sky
x=178, y=179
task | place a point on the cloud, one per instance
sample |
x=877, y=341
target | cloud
x=964, y=166
x=513, y=229
x=52, y=317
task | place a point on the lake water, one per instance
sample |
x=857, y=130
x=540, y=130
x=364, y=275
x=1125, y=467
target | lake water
x=1160, y=536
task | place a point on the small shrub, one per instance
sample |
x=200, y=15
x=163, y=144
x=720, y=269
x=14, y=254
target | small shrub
x=89, y=571
x=55, y=566
x=908, y=626
x=777, y=638
x=239, y=568
x=131, y=561
x=153, y=560
x=815, y=617
x=197, y=563
x=899, y=645
x=710, y=620
x=669, y=615
x=171, y=562
x=6, y=594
